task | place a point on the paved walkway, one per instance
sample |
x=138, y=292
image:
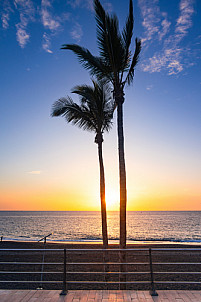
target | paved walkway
x=99, y=296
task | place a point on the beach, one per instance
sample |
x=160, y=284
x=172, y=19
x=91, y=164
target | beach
x=139, y=258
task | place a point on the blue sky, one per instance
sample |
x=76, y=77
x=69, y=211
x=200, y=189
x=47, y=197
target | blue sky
x=43, y=159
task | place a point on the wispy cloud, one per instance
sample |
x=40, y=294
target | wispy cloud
x=89, y=4
x=51, y=23
x=48, y=20
x=172, y=55
x=184, y=21
x=46, y=43
x=155, y=22
x=22, y=35
x=74, y=3
x=5, y=19
x=80, y=3
x=77, y=32
x=149, y=87
x=165, y=26
x=34, y=172
x=5, y=14
x=169, y=59
x=27, y=12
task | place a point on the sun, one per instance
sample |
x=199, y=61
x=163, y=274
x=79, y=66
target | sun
x=112, y=200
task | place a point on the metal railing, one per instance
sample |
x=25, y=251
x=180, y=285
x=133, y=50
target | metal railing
x=68, y=273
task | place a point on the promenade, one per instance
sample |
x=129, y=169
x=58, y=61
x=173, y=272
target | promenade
x=99, y=296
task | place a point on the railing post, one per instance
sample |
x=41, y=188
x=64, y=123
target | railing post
x=152, y=291
x=64, y=290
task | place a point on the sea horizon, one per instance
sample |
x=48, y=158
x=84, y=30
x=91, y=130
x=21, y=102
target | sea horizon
x=99, y=211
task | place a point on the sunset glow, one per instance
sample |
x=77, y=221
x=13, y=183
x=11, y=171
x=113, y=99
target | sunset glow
x=112, y=200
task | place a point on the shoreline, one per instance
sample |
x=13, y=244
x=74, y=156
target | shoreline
x=6, y=244
x=111, y=243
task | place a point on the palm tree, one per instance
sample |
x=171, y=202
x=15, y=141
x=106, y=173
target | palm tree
x=94, y=113
x=116, y=65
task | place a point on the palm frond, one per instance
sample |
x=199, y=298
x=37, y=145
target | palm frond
x=95, y=111
x=72, y=112
x=128, y=29
x=85, y=92
x=99, y=101
x=110, y=42
x=128, y=32
x=92, y=63
x=59, y=107
x=130, y=75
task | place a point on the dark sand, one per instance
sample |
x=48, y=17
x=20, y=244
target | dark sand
x=95, y=257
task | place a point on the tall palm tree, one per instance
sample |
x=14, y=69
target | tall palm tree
x=94, y=113
x=115, y=64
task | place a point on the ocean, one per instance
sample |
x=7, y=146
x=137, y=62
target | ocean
x=146, y=227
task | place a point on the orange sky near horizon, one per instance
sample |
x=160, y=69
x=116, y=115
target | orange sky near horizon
x=43, y=200
x=74, y=185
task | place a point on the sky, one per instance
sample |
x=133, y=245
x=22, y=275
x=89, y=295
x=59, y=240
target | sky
x=47, y=164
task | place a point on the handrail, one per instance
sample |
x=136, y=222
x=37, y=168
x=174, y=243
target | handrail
x=109, y=249
x=34, y=263
x=31, y=250
x=104, y=263
x=44, y=238
x=150, y=264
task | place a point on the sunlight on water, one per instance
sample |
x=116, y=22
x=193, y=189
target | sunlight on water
x=86, y=226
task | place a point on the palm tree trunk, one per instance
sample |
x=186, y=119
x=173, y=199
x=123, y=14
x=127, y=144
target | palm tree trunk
x=122, y=180
x=103, y=205
x=122, y=176
x=102, y=196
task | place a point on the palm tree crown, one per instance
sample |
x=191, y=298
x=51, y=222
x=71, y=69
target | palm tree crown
x=115, y=56
x=95, y=111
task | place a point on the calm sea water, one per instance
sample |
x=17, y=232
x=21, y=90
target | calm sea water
x=86, y=226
